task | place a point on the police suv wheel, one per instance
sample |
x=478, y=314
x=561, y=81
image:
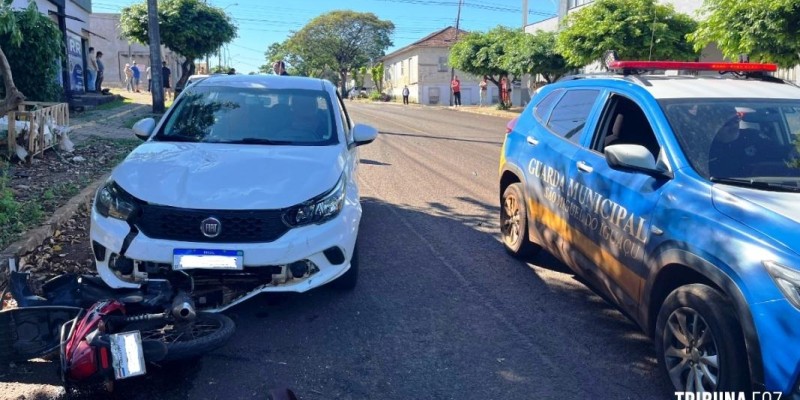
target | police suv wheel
x=514, y=223
x=699, y=341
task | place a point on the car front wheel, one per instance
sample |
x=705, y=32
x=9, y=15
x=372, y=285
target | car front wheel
x=514, y=223
x=699, y=341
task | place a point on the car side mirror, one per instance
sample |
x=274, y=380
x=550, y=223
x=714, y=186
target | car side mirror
x=144, y=128
x=364, y=134
x=633, y=157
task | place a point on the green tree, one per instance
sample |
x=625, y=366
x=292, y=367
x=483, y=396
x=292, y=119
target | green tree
x=482, y=54
x=191, y=28
x=342, y=41
x=376, y=73
x=9, y=28
x=636, y=29
x=535, y=54
x=766, y=30
x=359, y=75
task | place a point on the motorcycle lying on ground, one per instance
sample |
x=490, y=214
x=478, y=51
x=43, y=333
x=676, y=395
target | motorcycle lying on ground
x=102, y=335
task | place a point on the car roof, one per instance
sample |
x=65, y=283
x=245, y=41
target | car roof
x=703, y=87
x=266, y=81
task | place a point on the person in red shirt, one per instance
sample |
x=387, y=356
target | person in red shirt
x=456, y=86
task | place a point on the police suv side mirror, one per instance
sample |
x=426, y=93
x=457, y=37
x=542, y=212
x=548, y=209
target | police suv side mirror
x=633, y=157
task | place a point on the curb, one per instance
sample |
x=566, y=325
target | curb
x=35, y=236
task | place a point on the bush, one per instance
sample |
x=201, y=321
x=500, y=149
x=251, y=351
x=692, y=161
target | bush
x=35, y=64
x=502, y=106
x=375, y=96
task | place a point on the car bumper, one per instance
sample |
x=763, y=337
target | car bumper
x=307, y=243
x=778, y=327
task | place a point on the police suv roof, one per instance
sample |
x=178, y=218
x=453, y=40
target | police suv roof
x=714, y=87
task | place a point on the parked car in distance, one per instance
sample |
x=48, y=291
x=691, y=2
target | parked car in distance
x=246, y=185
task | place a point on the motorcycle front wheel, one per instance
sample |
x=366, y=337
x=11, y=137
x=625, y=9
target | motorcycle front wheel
x=185, y=340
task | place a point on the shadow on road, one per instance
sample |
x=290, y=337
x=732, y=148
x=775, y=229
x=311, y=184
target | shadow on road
x=455, y=139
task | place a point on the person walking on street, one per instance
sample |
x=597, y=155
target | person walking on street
x=149, y=78
x=165, y=75
x=91, y=71
x=128, y=77
x=405, y=94
x=456, y=86
x=483, y=85
x=136, y=75
x=100, y=72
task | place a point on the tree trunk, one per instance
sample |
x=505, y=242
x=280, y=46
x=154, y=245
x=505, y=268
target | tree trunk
x=13, y=96
x=343, y=83
x=187, y=70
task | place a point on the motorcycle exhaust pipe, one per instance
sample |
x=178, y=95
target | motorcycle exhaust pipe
x=183, y=307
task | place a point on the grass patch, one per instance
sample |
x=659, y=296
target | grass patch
x=113, y=104
x=15, y=216
x=130, y=122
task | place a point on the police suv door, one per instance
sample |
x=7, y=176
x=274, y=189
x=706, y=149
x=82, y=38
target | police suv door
x=611, y=207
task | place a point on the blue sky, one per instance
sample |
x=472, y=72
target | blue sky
x=262, y=22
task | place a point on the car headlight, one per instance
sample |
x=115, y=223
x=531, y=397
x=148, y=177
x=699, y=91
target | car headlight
x=319, y=209
x=787, y=279
x=112, y=201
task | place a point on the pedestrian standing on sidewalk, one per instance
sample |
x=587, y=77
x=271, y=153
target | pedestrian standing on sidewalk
x=128, y=77
x=456, y=86
x=504, y=91
x=483, y=86
x=91, y=71
x=100, y=72
x=136, y=75
x=165, y=75
x=405, y=94
x=149, y=79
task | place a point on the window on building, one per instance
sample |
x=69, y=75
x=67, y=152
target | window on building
x=443, y=64
x=577, y=3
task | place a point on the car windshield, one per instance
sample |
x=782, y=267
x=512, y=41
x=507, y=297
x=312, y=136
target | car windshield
x=247, y=115
x=751, y=142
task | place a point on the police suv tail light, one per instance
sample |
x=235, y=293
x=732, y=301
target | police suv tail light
x=787, y=279
x=318, y=210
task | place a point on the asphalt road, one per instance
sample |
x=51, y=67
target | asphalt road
x=440, y=311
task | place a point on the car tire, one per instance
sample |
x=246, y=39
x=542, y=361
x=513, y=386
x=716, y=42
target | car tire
x=349, y=279
x=698, y=336
x=514, y=223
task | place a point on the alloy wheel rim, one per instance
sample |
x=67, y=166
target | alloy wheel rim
x=511, y=220
x=691, y=354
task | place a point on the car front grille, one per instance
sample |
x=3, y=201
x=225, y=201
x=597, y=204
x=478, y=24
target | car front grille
x=237, y=226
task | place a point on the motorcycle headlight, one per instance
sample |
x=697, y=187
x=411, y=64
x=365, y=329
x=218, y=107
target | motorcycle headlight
x=787, y=279
x=320, y=209
x=111, y=201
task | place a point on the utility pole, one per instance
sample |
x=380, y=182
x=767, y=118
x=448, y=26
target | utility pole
x=155, y=57
x=453, y=70
x=524, y=14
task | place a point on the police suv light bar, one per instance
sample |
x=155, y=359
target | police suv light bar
x=691, y=66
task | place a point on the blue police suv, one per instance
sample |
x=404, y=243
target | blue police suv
x=677, y=196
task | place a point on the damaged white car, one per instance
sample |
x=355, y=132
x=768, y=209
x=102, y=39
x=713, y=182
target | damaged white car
x=247, y=185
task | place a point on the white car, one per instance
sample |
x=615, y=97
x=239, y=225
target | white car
x=247, y=185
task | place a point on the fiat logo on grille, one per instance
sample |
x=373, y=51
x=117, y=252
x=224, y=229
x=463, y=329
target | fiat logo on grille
x=211, y=227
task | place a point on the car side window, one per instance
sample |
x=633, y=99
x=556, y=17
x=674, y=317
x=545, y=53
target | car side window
x=346, y=123
x=571, y=112
x=624, y=122
x=543, y=109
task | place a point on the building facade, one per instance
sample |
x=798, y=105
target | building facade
x=118, y=51
x=423, y=67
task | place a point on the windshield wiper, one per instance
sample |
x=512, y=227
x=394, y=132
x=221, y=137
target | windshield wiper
x=255, y=141
x=752, y=183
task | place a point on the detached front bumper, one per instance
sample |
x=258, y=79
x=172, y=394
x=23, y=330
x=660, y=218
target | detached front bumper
x=326, y=249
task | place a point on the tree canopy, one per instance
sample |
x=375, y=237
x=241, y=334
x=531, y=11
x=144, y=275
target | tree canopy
x=766, y=30
x=340, y=40
x=9, y=28
x=191, y=28
x=534, y=54
x=636, y=29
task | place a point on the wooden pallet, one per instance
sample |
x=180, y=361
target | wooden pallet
x=36, y=114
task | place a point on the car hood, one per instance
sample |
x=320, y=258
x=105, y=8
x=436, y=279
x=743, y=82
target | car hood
x=228, y=176
x=773, y=214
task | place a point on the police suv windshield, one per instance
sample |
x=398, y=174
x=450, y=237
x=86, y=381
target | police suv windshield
x=744, y=141
x=221, y=114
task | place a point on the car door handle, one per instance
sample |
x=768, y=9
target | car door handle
x=584, y=167
x=532, y=141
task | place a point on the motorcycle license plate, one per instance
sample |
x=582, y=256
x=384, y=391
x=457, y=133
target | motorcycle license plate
x=127, y=356
x=207, y=259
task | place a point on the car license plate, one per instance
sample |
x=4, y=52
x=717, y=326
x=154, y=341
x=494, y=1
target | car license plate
x=207, y=259
x=127, y=356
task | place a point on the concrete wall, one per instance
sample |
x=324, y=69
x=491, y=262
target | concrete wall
x=118, y=51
